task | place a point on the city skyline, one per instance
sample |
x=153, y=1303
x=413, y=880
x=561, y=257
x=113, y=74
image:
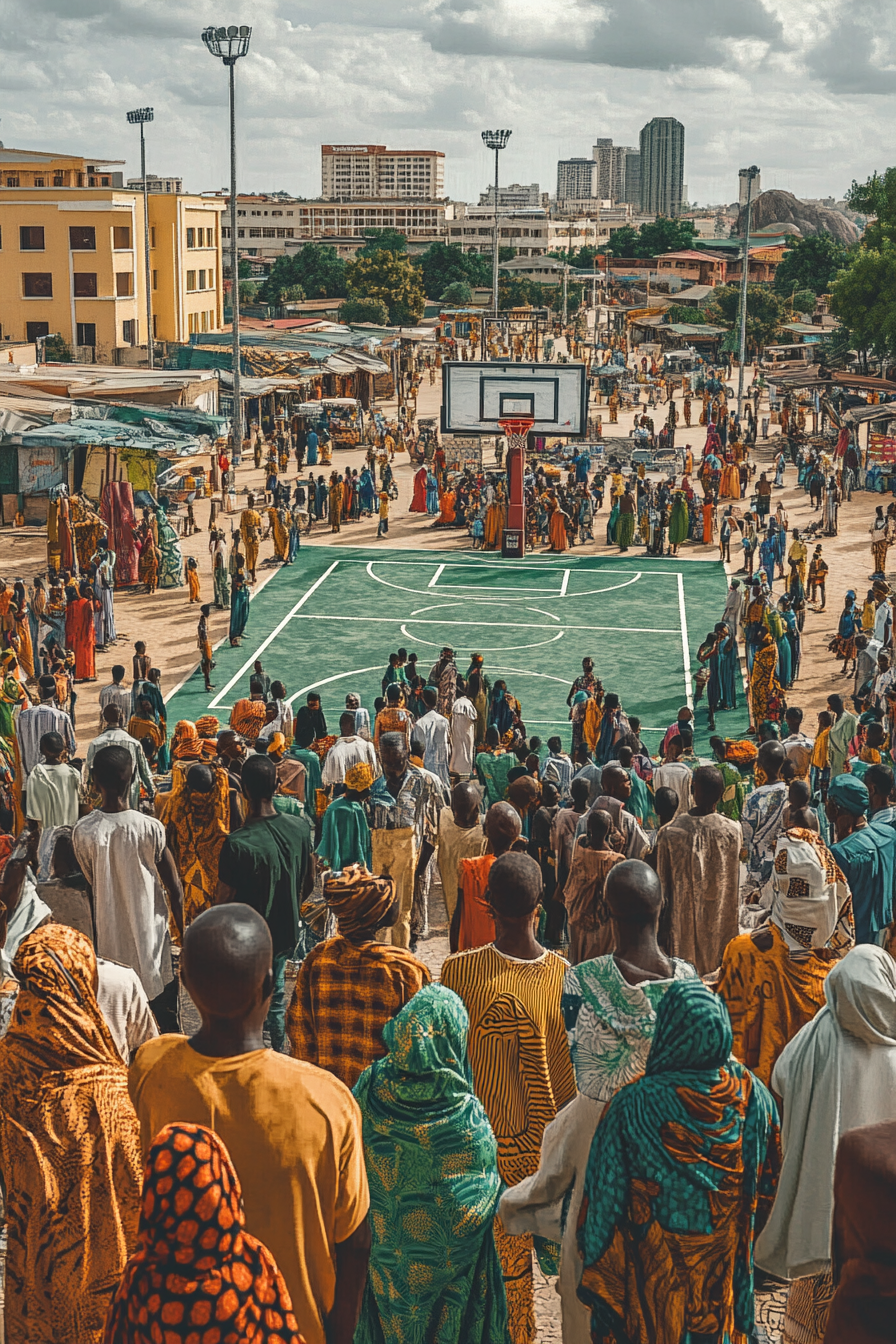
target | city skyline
x=750, y=81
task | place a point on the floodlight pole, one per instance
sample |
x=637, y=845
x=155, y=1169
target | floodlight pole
x=495, y=140
x=229, y=44
x=139, y=117
x=751, y=175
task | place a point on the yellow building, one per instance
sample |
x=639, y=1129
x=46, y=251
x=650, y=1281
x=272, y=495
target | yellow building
x=72, y=258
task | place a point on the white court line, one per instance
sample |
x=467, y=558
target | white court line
x=435, y=578
x=685, y=645
x=325, y=681
x=565, y=584
x=506, y=625
x=272, y=636
x=543, y=562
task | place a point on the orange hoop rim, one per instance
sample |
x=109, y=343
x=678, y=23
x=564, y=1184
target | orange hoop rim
x=516, y=427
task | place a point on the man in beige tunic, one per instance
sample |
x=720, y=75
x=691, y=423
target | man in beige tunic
x=250, y=531
x=698, y=863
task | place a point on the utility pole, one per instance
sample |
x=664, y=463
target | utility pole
x=497, y=141
x=751, y=174
x=138, y=118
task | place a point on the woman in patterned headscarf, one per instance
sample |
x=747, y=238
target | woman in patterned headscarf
x=69, y=1147
x=682, y=1172
x=435, y=1276
x=772, y=980
x=196, y=1266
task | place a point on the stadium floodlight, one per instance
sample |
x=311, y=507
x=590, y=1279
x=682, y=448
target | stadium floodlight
x=229, y=44
x=496, y=140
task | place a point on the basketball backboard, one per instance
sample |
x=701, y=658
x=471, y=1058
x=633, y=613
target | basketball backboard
x=477, y=396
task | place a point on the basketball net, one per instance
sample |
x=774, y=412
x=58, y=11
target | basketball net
x=516, y=430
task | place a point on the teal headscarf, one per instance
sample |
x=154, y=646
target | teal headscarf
x=435, y=1276
x=688, y=1153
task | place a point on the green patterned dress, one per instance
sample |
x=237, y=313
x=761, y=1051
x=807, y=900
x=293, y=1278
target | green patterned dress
x=434, y=1276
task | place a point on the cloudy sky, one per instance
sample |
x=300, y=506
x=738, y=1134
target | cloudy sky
x=804, y=88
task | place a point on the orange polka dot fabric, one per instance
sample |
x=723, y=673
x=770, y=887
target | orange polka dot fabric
x=197, y=1276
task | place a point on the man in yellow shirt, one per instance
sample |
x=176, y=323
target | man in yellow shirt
x=293, y=1131
x=250, y=531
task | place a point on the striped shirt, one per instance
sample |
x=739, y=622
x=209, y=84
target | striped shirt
x=33, y=723
x=517, y=1047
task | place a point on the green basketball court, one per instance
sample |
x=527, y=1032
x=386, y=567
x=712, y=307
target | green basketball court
x=329, y=622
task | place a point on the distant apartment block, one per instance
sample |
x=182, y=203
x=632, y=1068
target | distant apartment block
x=662, y=167
x=172, y=186
x=515, y=197
x=362, y=172
x=577, y=180
x=271, y=226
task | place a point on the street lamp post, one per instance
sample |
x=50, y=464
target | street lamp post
x=497, y=141
x=229, y=44
x=139, y=117
x=751, y=174
x=608, y=253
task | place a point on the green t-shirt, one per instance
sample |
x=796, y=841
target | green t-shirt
x=266, y=862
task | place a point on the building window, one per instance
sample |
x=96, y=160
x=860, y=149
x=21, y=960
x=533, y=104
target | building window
x=211, y=280
x=31, y=238
x=121, y=237
x=155, y=326
x=202, y=279
x=37, y=285
x=155, y=279
x=225, y=232
x=85, y=288
x=85, y=333
x=35, y=330
x=191, y=281
x=152, y=236
x=39, y=182
x=191, y=237
x=82, y=237
x=205, y=321
x=254, y=233
x=12, y=181
x=124, y=284
x=269, y=233
x=58, y=180
x=129, y=331
x=241, y=233
x=192, y=323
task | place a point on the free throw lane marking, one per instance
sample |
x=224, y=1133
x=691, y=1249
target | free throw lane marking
x=435, y=578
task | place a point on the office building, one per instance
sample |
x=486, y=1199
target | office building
x=270, y=226
x=577, y=180
x=618, y=172
x=170, y=185
x=631, y=191
x=662, y=167
x=525, y=230
x=72, y=259
x=373, y=172
x=515, y=197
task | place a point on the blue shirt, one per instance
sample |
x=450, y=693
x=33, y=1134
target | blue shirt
x=868, y=860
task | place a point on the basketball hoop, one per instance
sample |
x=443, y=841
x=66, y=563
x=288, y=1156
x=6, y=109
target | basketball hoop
x=516, y=429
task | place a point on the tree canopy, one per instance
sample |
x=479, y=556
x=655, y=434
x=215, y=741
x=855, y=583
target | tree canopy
x=876, y=197
x=765, y=312
x=382, y=240
x=864, y=298
x=318, y=269
x=389, y=276
x=661, y=235
x=811, y=263
x=457, y=293
x=365, y=310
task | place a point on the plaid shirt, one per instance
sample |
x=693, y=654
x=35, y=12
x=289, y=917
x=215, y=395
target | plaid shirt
x=345, y=994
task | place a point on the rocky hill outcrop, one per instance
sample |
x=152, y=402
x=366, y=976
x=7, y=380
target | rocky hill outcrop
x=784, y=210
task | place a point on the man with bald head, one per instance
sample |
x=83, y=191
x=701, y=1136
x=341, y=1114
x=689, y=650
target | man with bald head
x=460, y=837
x=608, y=1049
x=698, y=863
x=472, y=924
x=516, y=1046
x=762, y=821
x=292, y=1130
